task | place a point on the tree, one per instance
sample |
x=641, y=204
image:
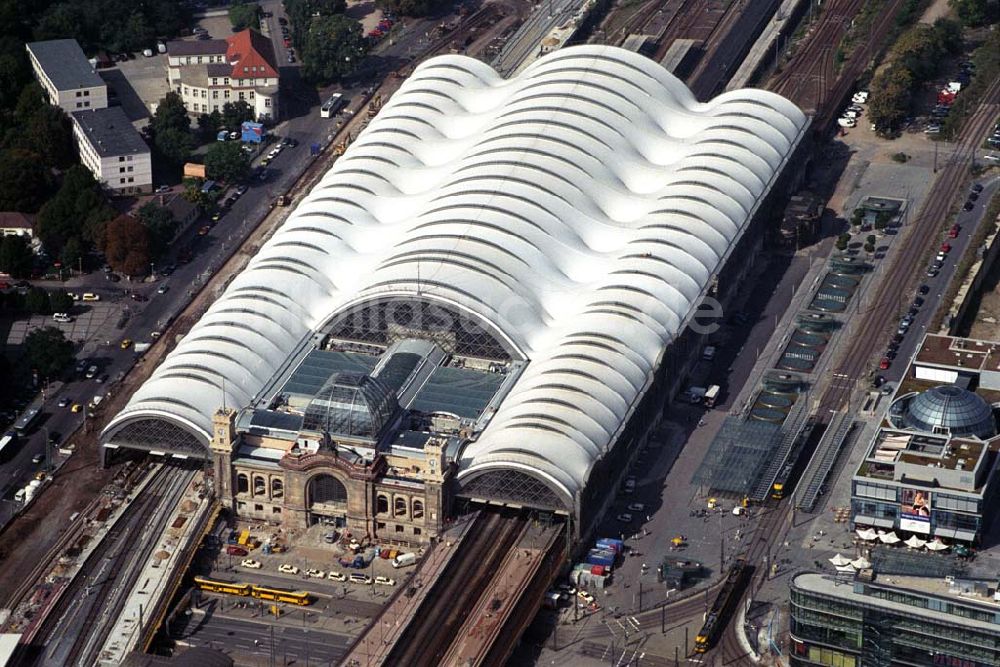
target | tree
x=77, y=210
x=48, y=351
x=890, y=95
x=234, y=113
x=227, y=161
x=16, y=257
x=72, y=253
x=842, y=242
x=60, y=301
x=857, y=216
x=244, y=15
x=334, y=47
x=209, y=125
x=25, y=183
x=413, y=7
x=37, y=301
x=14, y=70
x=175, y=145
x=127, y=246
x=161, y=225
x=975, y=13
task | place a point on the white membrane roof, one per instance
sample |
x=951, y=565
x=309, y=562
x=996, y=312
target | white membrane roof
x=582, y=208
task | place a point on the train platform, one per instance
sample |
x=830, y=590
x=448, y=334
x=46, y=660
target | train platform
x=776, y=29
x=376, y=643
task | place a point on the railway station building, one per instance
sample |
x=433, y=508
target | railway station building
x=489, y=298
x=931, y=467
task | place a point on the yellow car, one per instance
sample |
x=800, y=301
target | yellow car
x=40, y=475
x=76, y=408
x=126, y=343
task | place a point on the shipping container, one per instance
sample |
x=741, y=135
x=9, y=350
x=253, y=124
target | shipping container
x=599, y=570
x=611, y=543
x=601, y=557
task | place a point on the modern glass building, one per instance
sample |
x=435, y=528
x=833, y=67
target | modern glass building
x=898, y=620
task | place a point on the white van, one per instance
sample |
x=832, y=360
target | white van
x=402, y=560
x=19, y=496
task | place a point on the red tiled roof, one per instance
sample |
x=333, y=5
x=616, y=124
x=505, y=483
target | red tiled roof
x=251, y=55
x=15, y=220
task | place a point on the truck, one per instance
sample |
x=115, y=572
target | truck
x=712, y=395
x=403, y=560
x=610, y=543
x=601, y=557
x=141, y=347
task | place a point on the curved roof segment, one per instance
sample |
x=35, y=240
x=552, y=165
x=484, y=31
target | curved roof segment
x=581, y=208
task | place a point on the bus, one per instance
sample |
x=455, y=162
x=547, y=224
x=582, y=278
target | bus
x=8, y=444
x=332, y=106
x=30, y=416
x=300, y=598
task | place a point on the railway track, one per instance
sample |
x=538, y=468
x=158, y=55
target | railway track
x=433, y=628
x=875, y=322
x=811, y=71
x=99, y=602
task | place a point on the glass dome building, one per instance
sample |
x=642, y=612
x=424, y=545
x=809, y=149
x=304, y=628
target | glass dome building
x=351, y=404
x=958, y=410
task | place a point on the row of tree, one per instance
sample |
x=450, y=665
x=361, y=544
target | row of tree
x=911, y=61
x=330, y=44
x=976, y=13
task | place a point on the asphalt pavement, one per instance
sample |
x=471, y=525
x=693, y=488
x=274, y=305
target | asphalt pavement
x=265, y=639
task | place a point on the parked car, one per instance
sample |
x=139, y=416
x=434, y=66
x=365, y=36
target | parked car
x=359, y=578
x=315, y=574
x=288, y=569
x=160, y=189
x=250, y=563
x=63, y=402
x=636, y=507
x=968, y=206
x=336, y=576
x=953, y=232
x=624, y=517
x=384, y=581
x=885, y=363
x=923, y=290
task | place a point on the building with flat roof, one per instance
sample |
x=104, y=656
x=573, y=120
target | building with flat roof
x=113, y=150
x=520, y=259
x=894, y=620
x=931, y=467
x=67, y=76
x=208, y=73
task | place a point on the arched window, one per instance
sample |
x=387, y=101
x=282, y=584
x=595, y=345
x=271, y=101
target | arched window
x=326, y=489
x=418, y=509
x=277, y=488
x=382, y=504
x=400, y=507
x=259, y=486
x=242, y=483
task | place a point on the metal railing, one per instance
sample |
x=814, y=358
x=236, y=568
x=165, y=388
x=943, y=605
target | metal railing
x=791, y=430
x=823, y=460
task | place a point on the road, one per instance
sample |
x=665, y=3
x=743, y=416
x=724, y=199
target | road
x=266, y=640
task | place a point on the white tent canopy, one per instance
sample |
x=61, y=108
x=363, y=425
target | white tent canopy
x=889, y=538
x=845, y=568
x=915, y=542
x=861, y=563
x=867, y=534
x=937, y=545
x=839, y=561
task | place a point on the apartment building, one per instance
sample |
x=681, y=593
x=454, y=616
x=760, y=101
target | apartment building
x=112, y=149
x=67, y=76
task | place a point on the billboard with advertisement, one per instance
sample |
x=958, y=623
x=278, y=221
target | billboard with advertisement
x=915, y=511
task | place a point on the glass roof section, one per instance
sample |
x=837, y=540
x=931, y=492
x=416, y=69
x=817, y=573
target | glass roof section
x=351, y=404
x=458, y=391
x=958, y=410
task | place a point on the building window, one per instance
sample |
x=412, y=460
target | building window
x=215, y=94
x=215, y=107
x=225, y=94
x=121, y=170
x=267, y=101
x=199, y=60
x=226, y=81
x=240, y=506
x=258, y=508
x=277, y=488
x=380, y=525
x=130, y=167
x=204, y=94
x=246, y=69
x=129, y=158
x=78, y=93
x=417, y=531
x=242, y=95
x=399, y=507
x=78, y=105
x=185, y=90
x=86, y=103
x=259, y=486
x=121, y=158
x=130, y=179
x=251, y=94
x=242, y=483
x=381, y=504
x=86, y=93
x=399, y=528
x=418, y=509
x=215, y=81
x=275, y=510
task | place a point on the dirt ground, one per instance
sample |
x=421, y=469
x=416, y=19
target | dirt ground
x=987, y=323
x=937, y=9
